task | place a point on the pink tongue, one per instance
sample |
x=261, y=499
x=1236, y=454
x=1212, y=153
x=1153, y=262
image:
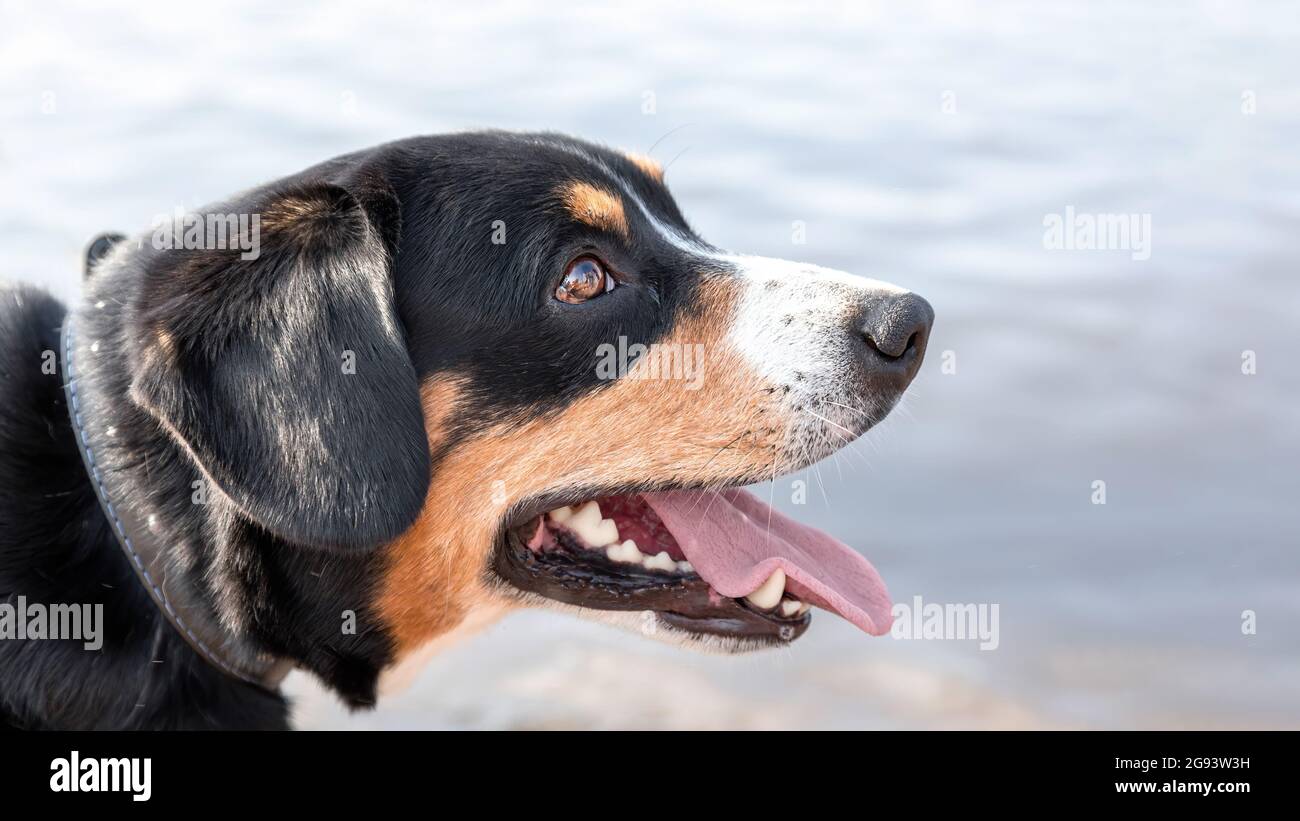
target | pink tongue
x=736, y=542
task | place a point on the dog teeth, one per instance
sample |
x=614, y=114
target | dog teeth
x=790, y=607
x=660, y=561
x=585, y=516
x=804, y=607
x=769, y=593
x=604, y=533
x=598, y=533
x=626, y=552
x=587, y=525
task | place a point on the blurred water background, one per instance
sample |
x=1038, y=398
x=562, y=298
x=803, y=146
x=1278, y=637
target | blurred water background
x=922, y=143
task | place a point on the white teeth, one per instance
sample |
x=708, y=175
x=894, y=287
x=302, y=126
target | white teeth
x=789, y=607
x=685, y=567
x=603, y=534
x=626, y=552
x=587, y=525
x=561, y=514
x=804, y=607
x=660, y=561
x=768, y=595
x=588, y=513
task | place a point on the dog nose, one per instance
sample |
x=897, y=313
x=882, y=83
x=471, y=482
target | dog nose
x=895, y=329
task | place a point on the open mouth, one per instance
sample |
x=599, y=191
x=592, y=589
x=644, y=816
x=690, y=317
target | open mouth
x=707, y=563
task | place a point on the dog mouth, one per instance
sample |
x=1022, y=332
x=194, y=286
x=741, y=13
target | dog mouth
x=707, y=563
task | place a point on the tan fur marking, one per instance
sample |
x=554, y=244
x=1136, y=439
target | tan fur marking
x=289, y=211
x=651, y=168
x=629, y=432
x=166, y=344
x=595, y=207
x=442, y=595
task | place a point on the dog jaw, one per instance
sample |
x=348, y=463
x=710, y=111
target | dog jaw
x=652, y=431
x=745, y=421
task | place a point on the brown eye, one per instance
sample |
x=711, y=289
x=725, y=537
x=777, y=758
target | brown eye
x=585, y=278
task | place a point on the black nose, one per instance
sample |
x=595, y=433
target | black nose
x=895, y=329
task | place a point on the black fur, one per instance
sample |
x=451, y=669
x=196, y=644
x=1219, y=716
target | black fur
x=230, y=371
x=279, y=367
x=56, y=547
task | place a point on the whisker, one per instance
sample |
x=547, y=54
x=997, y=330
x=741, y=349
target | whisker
x=816, y=415
x=666, y=135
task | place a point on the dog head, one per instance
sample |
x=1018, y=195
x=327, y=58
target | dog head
x=502, y=370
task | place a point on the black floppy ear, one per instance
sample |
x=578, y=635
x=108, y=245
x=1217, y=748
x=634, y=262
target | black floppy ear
x=281, y=366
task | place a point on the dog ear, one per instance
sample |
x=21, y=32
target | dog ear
x=281, y=365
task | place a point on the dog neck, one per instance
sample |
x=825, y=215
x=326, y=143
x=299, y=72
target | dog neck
x=268, y=604
x=140, y=533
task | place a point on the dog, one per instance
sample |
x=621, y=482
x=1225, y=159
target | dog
x=455, y=375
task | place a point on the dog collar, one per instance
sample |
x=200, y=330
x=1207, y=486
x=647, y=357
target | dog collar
x=146, y=550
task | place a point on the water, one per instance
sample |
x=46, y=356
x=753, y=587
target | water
x=923, y=145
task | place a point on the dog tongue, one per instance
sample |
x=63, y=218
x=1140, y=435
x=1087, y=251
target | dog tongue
x=735, y=542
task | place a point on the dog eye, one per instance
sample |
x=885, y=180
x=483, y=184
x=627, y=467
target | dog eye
x=585, y=278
